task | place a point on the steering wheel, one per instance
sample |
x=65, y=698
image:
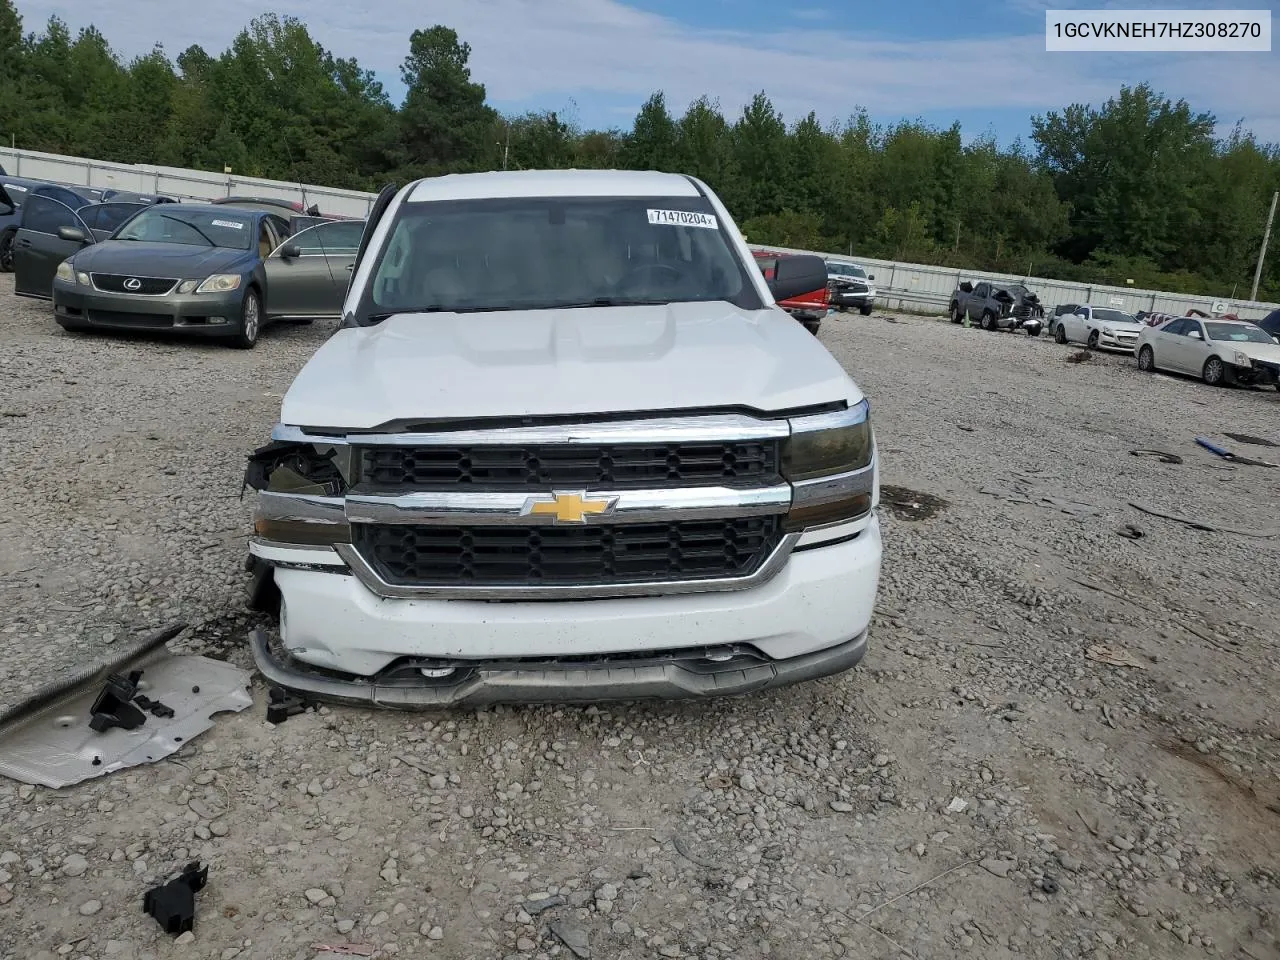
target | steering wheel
x=655, y=270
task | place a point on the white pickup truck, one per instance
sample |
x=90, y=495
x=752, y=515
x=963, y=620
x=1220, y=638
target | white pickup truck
x=564, y=446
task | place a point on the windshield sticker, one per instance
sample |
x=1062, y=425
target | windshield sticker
x=228, y=223
x=683, y=218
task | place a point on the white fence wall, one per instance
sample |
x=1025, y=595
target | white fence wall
x=902, y=285
x=177, y=182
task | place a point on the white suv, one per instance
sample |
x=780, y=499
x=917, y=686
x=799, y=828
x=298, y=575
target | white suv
x=564, y=446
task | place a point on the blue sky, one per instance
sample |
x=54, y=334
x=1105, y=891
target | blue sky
x=981, y=62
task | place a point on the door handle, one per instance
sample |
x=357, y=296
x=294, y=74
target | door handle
x=350, y=267
x=24, y=243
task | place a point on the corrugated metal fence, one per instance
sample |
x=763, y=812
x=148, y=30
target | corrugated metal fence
x=177, y=182
x=915, y=286
x=902, y=285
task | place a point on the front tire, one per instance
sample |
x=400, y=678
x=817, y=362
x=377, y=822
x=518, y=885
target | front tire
x=1147, y=360
x=1033, y=333
x=865, y=310
x=1214, y=372
x=1059, y=334
x=246, y=338
x=1093, y=340
x=989, y=322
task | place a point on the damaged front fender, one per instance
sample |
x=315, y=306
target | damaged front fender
x=309, y=469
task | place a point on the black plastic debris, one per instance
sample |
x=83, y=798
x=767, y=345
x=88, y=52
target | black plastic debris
x=281, y=705
x=153, y=707
x=113, y=708
x=173, y=904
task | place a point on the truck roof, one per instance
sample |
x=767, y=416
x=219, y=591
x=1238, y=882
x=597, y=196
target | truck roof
x=552, y=183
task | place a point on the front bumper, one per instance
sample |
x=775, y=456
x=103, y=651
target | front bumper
x=76, y=306
x=1260, y=372
x=341, y=641
x=1122, y=342
x=858, y=300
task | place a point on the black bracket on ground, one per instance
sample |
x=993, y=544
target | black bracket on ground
x=153, y=707
x=173, y=904
x=281, y=704
x=113, y=708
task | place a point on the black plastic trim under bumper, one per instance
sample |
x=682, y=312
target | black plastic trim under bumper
x=556, y=684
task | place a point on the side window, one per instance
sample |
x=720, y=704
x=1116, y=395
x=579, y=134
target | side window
x=341, y=237
x=982, y=291
x=89, y=215
x=1193, y=327
x=1177, y=328
x=43, y=214
x=17, y=194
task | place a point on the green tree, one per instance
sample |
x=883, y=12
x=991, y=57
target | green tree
x=445, y=121
x=652, y=142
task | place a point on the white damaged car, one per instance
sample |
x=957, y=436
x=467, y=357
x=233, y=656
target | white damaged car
x=1099, y=328
x=564, y=446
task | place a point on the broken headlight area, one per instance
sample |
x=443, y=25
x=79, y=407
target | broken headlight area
x=304, y=469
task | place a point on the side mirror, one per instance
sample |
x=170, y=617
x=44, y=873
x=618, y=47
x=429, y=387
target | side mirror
x=796, y=276
x=1194, y=335
x=871, y=276
x=72, y=235
x=290, y=250
x=1275, y=340
x=966, y=287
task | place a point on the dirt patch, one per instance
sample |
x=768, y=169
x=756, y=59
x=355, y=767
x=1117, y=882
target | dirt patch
x=907, y=504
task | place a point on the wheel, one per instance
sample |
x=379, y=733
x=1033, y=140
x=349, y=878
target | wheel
x=1059, y=334
x=1146, y=360
x=1093, y=340
x=989, y=321
x=865, y=310
x=1215, y=372
x=1033, y=333
x=6, y=252
x=956, y=315
x=250, y=321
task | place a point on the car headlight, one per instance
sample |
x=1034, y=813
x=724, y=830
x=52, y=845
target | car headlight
x=188, y=286
x=829, y=459
x=82, y=277
x=65, y=272
x=220, y=283
x=1243, y=360
x=1108, y=332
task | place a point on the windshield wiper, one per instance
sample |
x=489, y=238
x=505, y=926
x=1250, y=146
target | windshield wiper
x=204, y=235
x=430, y=308
x=599, y=302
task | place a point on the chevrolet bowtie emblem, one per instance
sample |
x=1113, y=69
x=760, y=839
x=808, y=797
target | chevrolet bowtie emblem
x=567, y=507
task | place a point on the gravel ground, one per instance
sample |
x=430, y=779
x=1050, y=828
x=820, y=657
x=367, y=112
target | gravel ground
x=980, y=787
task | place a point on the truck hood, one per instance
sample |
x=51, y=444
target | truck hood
x=445, y=366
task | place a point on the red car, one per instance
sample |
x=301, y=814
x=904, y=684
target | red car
x=808, y=307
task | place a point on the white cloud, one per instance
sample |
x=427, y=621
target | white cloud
x=524, y=49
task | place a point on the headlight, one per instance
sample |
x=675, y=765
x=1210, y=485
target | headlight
x=315, y=533
x=220, y=283
x=188, y=286
x=1108, y=332
x=65, y=272
x=82, y=277
x=829, y=461
x=1243, y=360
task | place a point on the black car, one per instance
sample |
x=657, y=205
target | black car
x=15, y=191
x=1271, y=323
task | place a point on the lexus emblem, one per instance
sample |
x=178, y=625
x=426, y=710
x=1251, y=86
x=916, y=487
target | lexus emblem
x=133, y=283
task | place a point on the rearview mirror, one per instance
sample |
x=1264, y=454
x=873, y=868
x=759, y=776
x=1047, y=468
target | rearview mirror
x=798, y=275
x=72, y=234
x=290, y=250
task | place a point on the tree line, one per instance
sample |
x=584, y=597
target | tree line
x=1140, y=188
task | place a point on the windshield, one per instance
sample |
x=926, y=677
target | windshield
x=1112, y=316
x=848, y=270
x=536, y=253
x=1239, y=332
x=214, y=228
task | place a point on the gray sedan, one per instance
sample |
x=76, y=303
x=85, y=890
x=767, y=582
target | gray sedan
x=199, y=269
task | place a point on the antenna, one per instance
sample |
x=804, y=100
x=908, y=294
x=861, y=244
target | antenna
x=293, y=167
